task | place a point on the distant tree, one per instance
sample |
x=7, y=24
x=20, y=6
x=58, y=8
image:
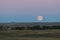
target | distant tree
x=45, y=27
x=28, y=27
x=37, y=27
x=56, y=27
x=1, y=27
x=19, y=28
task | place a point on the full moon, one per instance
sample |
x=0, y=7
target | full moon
x=40, y=18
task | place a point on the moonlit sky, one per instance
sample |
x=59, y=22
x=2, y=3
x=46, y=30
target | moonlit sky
x=28, y=10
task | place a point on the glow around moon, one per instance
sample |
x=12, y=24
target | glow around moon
x=40, y=18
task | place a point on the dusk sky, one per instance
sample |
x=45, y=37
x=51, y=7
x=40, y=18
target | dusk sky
x=28, y=10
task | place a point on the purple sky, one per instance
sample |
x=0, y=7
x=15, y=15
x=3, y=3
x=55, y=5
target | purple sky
x=28, y=10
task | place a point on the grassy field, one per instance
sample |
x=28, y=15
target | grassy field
x=30, y=35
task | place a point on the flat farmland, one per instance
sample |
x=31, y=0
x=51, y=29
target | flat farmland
x=30, y=34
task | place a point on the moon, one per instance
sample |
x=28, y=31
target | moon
x=40, y=18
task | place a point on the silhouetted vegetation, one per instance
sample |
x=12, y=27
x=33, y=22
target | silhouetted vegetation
x=37, y=27
x=1, y=27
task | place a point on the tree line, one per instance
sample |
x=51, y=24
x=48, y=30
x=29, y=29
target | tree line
x=37, y=27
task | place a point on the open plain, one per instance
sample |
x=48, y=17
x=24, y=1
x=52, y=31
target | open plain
x=30, y=34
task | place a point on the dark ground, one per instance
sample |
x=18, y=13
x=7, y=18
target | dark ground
x=30, y=35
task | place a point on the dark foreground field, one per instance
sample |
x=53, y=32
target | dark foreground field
x=30, y=35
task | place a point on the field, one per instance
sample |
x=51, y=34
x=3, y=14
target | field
x=30, y=35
